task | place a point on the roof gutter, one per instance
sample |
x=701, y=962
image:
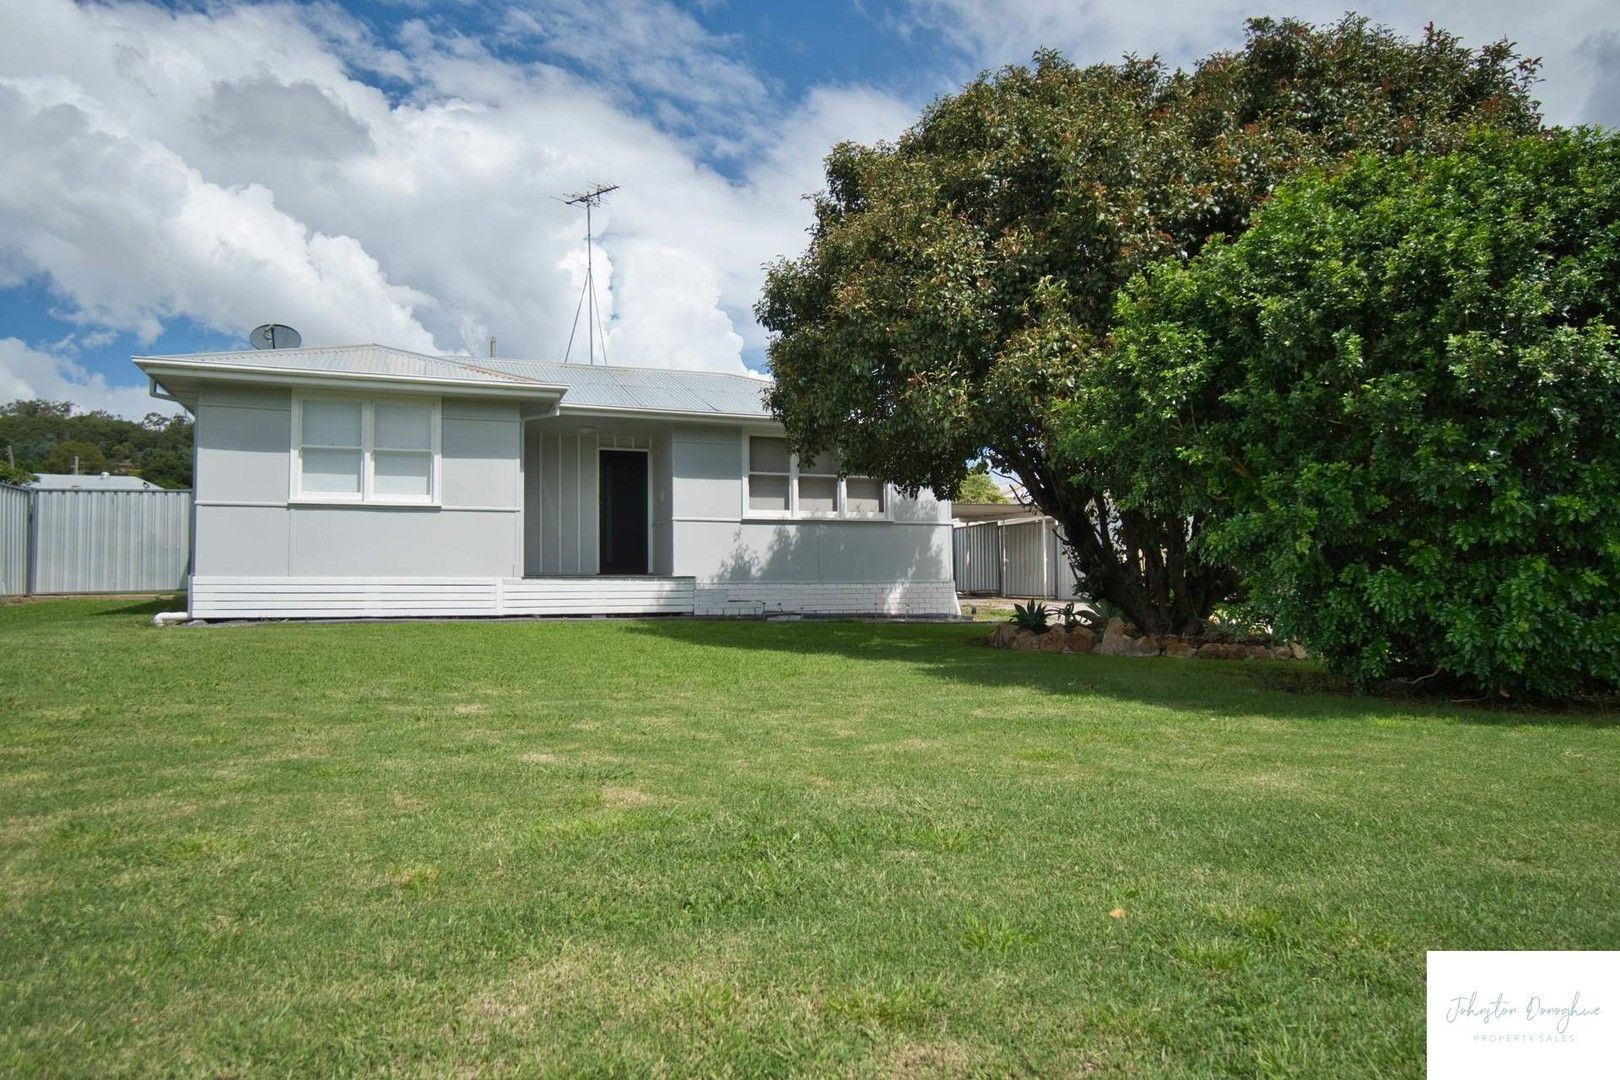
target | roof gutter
x=155, y=389
x=642, y=413
x=164, y=369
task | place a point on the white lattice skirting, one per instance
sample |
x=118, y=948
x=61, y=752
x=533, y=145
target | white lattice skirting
x=826, y=598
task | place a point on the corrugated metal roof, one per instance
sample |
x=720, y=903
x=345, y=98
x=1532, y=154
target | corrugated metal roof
x=656, y=389
x=350, y=360
x=93, y=482
x=593, y=387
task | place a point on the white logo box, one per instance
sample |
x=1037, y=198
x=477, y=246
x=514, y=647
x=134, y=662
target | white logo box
x=1514, y=1014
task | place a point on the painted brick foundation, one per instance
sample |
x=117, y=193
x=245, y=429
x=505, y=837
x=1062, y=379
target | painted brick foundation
x=825, y=598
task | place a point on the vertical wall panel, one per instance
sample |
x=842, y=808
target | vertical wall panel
x=589, y=499
x=1027, y=564
x=976, y=558
x=571, y=529
x=13, y=540
x=110, y=541
x=567, y=499
x=534, y=540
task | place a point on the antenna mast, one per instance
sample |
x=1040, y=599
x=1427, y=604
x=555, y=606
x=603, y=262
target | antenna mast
x=590, y=198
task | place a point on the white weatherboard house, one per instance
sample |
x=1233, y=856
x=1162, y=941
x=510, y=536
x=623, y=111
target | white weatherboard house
x=371, y=481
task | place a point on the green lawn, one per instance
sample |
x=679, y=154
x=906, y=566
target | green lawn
x=618, y=847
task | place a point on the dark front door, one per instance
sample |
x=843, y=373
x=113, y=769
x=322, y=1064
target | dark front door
x=622, y=516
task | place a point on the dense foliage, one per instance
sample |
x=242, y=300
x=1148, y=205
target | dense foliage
x=958, y=280
x=15, y=474
x=46, y=436
x=977, y=487
x=1398, y=394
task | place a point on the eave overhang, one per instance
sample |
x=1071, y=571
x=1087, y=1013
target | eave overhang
x=180, y=380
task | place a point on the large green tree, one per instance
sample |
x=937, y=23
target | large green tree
x=958, y=282
x=1397, y=397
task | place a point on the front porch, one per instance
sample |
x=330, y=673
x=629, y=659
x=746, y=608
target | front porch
x=596, y=500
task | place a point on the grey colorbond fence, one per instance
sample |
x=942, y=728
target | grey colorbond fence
x=976, y=558
x=13, y=540
x=87, y=541
x=1012, y=558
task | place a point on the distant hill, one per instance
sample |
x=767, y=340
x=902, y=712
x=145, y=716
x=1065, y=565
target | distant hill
x=47, y=437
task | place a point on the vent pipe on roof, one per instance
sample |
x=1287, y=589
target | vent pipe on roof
x=492, y=346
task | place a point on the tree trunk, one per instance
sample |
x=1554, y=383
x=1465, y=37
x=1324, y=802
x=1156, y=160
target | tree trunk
x=1139, y=563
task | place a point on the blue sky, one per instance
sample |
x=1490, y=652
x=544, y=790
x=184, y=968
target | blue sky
x=384, y=171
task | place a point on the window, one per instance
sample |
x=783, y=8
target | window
x=863, y=495
x=769, y=470
x=365, y=451
x=818, y=485
x=402, y=451
x=333, y=448
x=783, y=485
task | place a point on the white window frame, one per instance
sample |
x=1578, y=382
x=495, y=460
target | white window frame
x=793, y=513
x=367, y=496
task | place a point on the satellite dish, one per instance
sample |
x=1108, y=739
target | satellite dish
x=275, y=336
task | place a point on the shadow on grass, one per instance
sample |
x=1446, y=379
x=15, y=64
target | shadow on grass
x=145, y=605
x=955, y=652
x=73, y=606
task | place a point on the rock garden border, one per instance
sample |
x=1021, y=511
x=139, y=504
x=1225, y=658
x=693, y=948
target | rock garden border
x=1117, y=640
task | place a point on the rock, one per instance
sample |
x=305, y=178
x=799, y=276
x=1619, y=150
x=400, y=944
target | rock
x=1297, y=650
x=1281, y=652
x=1026, y=641
x=1116, y=642
x=1081, y=640
x=1256, y=652
x=1177, y=648
x=1114, y=639
x=1053, y=640
x=1219, y=650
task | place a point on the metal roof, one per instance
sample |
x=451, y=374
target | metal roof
x=651, y=389
x=93, y=482
x=609, y=387
x=379, y=360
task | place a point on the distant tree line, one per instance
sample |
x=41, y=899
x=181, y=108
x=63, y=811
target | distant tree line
x=53, y=436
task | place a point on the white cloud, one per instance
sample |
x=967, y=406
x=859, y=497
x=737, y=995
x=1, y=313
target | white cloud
x=654, y=51
x=228, y=165
x=1600, y=53
x=231, y=165
x=1568, y=34
x=674, y=295
x=27, y=374
x=133, y=235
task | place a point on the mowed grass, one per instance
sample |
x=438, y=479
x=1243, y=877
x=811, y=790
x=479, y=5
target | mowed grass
x=745, y=848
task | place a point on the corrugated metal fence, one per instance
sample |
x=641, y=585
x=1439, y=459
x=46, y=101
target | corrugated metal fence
x=976, y=558
x=13, y=540
x=1012, y=558
x=79, y=541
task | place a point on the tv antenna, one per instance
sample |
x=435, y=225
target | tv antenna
x=590, y=198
